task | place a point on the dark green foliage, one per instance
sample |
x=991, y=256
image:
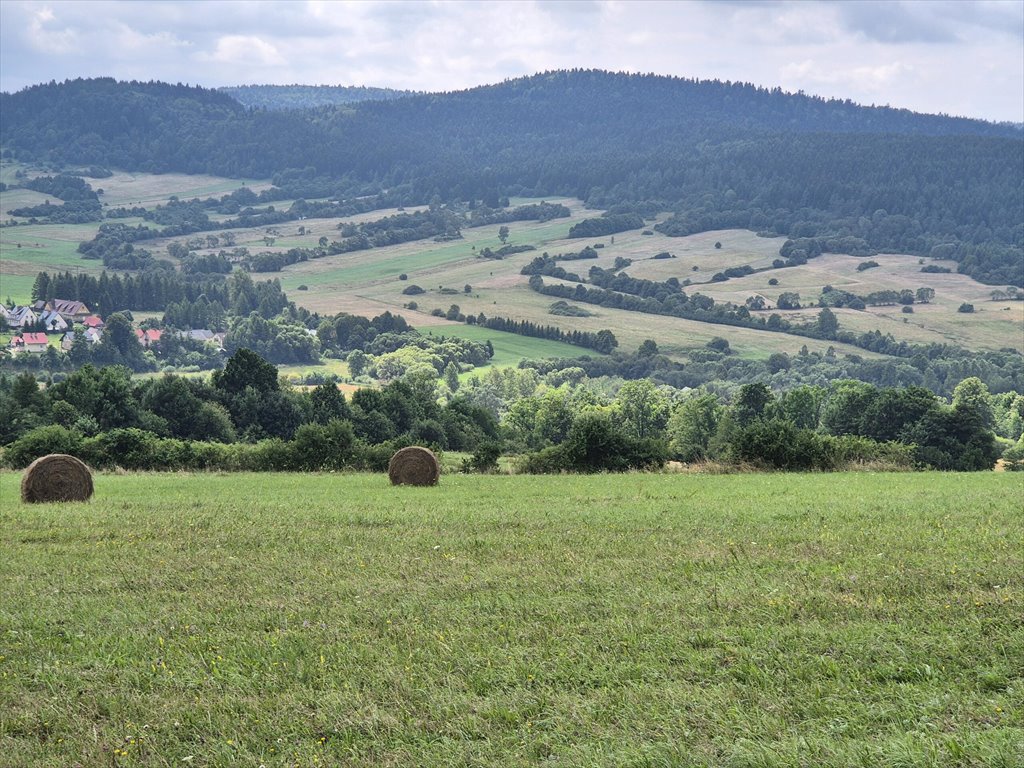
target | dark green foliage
x=603, y=341
x=484, y=459
x=606, y=225
x=77, y=212
x=566, y=309
x=246, y=369
x=320, y=447
x=778, y=444
x=64, y=187
x=41, y=441
x=596, y=444
x=306, y=96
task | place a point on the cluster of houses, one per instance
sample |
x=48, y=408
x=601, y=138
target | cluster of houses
x=61, y=315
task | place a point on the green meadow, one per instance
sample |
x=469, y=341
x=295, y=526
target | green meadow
x=510, y=348
x=636, y=620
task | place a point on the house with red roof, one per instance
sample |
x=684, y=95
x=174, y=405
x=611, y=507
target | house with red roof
x=148, y=337
x=29, y=342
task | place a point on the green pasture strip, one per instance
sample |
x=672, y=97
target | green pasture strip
x=509, y=348
x=328, y=366
x=17, y=287
x=374, y=265
x=378, y=264
x=642, y=620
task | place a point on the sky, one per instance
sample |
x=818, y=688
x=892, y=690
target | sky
x=957, y=57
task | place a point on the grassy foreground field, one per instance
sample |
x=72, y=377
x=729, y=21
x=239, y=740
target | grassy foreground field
x=643, y=620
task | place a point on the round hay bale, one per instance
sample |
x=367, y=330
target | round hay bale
x=414, y=466
x=57, y=477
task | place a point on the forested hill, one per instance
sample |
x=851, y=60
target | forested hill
x=306, y=96
x=719, y=154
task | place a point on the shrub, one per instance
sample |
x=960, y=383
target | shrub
x=595, y=444
x=966, y=308
x=851, y=450
x=484, y=459
x=413, y=290
x=718, y=344
x=130, y=448
x=42, y=441
x=320, y=447
x=778, y=444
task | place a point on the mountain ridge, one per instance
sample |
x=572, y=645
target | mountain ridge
x=718, y=154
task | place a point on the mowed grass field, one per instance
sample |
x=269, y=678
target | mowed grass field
x=993, y=325
x=640, y=620
x=366, y=282
x=26, y=250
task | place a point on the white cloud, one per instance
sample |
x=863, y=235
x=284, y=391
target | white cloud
x=244, y=50
x=865, y=79
x=46, y=37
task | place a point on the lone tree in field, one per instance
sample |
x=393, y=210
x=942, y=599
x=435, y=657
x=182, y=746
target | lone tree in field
x=503, y=233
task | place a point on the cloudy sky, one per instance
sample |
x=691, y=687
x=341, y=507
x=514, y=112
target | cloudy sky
x=955, y=56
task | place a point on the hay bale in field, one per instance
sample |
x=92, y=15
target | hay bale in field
x=57, y=477
x=414, y=466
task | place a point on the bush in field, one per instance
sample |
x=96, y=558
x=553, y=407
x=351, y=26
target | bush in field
x=852, y=450
x=319, y=447
x=40, y=442
x=484, y=459
x=1014, y=457
x=778, y=444
x=596, y=444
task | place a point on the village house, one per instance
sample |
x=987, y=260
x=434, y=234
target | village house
x=71, y=311
x=53, y=321
x=204, y=335
x=22, y=317
x=29, y=342
x=91, y=335
x=93, y=321
x=148, y=337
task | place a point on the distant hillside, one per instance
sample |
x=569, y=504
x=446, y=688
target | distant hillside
x=306, y=96
x=718, y=154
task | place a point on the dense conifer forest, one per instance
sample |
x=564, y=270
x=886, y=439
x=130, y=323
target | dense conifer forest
x=306, y=96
